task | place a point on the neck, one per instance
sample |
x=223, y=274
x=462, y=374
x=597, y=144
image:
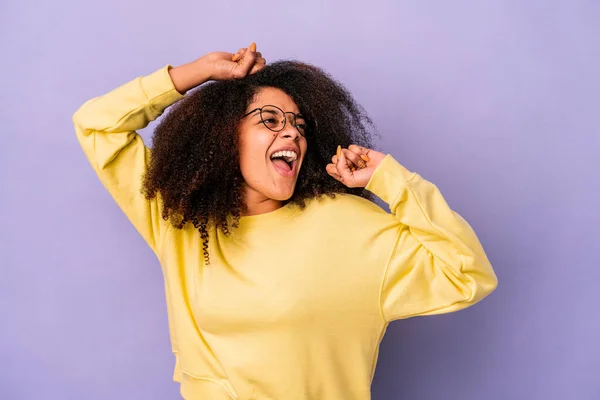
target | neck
x=257, y=203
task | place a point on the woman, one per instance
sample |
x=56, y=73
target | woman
x=280, y=275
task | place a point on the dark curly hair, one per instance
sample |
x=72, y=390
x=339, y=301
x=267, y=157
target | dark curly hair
x=194, y=165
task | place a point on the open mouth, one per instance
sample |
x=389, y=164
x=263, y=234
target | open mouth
x=284, y=162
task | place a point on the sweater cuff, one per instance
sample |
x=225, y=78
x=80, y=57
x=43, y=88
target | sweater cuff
x=388, y=179
x=159, y=89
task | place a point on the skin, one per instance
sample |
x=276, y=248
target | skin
x=265, y=190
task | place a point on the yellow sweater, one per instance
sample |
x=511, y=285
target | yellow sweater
x=295, y=302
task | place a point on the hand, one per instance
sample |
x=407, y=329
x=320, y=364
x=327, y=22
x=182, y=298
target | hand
x=354, y=166
x=217, y=66
x=246, y=61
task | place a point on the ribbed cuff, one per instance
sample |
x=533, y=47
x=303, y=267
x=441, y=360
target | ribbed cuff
x=159, y=89
x=388, y=179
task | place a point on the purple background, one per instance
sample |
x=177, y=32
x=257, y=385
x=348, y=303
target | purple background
x=497, y=102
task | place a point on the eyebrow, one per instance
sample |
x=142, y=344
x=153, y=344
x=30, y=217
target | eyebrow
x=298, y=114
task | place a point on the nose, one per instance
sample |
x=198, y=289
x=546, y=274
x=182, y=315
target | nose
x=290, y=131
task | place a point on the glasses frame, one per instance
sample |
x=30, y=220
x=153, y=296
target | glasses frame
x=285, y=120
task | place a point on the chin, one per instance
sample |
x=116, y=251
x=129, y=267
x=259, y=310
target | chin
x=282, y=196
x=281, y=192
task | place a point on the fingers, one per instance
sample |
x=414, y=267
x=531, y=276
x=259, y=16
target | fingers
x=351, y=165
x=354, y=166
x=332, y=170
x=249, y=61
x=258, y=64
x=342, y=167
x=363, y=152
x=354, y=158
x=238, y=55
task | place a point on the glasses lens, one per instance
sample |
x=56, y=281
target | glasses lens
x=273, y=118
x=301, y=125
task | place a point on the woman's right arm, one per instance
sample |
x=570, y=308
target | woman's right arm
x=106, y=129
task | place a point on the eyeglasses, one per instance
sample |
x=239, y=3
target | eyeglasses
x=275, y=119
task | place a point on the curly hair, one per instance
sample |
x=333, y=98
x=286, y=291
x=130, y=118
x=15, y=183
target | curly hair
x=194, y=164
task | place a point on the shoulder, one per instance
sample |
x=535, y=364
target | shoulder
x=357, y=222
x=345, y=206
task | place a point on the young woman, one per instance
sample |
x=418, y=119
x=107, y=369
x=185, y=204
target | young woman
x=281, y=275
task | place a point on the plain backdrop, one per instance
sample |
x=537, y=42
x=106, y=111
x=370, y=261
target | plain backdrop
x=497, y=102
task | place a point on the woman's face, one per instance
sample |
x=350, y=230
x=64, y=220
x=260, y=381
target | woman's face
x=270, y=161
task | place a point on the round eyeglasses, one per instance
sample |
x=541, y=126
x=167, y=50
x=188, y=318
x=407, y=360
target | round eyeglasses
x=275, y=119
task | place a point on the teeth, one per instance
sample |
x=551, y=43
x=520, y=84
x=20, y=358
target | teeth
x=288, y=155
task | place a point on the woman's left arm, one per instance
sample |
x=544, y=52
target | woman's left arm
x=437, y=264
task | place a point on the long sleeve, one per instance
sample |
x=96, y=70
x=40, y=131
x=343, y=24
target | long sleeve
x=106, y=129
x=437, y=264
